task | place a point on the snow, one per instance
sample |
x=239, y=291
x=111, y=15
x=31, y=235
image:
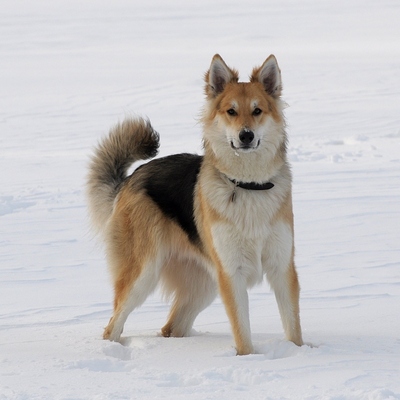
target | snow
x=72, y=69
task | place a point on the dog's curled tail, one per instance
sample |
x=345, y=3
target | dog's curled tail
x=129, y=141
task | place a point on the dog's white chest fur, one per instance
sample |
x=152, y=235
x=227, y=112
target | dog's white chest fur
x=248, y=233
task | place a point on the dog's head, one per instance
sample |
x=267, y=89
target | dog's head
x=246, y=117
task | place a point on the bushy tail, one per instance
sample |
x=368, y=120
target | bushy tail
x=127, y=142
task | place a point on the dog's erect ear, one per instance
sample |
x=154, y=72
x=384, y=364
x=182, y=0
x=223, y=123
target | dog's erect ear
x=218, y=76
x=269, y=75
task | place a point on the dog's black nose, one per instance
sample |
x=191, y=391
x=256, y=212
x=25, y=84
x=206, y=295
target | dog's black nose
x=246, y=136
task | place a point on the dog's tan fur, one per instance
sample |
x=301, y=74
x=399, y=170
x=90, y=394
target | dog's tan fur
x=241, y=235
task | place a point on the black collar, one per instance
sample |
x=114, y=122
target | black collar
x=253, y=185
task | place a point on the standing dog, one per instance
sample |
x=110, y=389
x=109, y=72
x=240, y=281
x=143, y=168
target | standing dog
x=202, y=224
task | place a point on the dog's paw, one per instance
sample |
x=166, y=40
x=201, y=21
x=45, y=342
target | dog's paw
x=112, y=334
x=169, y=330
x=166, y=330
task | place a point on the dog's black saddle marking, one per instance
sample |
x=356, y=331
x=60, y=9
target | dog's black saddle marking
x=170, y=182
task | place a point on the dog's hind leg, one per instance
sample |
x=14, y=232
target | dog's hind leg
x=135, y=255
x=193, y=290
x=130, y=292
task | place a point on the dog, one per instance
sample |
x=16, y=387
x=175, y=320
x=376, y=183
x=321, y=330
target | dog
x=200, y=225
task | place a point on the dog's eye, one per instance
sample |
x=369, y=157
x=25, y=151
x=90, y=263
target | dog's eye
x=257, y=111
x=232, y=112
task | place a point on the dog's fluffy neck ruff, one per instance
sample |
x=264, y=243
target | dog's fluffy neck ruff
x=255, y=167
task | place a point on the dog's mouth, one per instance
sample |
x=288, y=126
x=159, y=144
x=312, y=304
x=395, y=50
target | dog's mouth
x=246, y=147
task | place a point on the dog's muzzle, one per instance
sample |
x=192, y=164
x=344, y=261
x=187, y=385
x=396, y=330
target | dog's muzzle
x=246, y=141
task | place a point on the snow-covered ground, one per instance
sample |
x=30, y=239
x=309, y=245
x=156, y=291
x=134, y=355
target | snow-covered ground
x=70, y=69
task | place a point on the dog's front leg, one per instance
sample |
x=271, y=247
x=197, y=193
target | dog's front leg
x=233, y=290
x=232, y=281
x=281, y=273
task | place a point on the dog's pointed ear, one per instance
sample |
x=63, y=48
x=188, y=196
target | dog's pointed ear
x=218, y=76
x=269, y=75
